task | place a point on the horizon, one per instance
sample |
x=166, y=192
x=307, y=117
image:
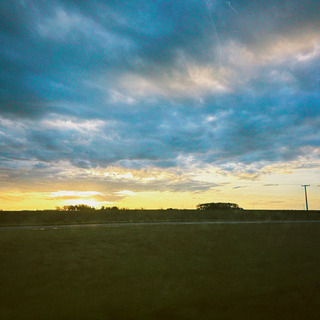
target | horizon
x=166, y=104
x=115, y=209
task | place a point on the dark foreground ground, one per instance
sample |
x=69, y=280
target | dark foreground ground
x=247, y=271
x=20, y=218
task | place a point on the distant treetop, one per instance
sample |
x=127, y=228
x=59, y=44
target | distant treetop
x=218, y=206
x=78, y=207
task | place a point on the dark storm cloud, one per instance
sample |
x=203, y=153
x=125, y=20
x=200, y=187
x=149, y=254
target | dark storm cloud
x=215, y=80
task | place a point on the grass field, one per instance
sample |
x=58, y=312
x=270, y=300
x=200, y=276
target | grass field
x=18, y=218
x=268, y=271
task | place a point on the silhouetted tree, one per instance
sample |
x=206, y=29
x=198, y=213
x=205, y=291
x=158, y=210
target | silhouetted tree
x=77, y=207
x=218, y=206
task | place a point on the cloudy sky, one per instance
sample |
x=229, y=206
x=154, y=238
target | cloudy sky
x=160, y=103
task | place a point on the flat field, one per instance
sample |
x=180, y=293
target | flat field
x=245, y=271
x=21, y=218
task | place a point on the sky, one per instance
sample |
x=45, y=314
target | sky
x=159, y=104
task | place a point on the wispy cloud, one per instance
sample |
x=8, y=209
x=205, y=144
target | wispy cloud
x=139, y=93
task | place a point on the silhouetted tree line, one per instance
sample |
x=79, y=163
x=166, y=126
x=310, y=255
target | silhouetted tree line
x=77, y=207
x=84, y=207
x=218, y=206
x=201, y=206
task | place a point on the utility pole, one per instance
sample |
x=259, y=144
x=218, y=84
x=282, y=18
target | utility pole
x=305, y=193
